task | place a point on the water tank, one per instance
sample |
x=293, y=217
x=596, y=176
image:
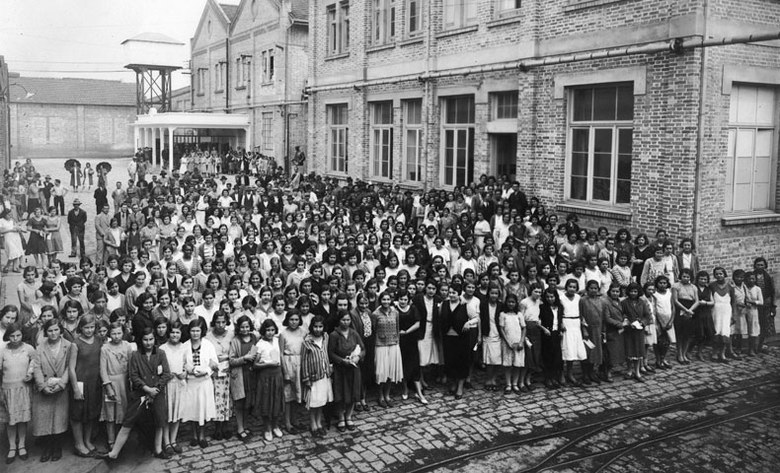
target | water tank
x=154, y=49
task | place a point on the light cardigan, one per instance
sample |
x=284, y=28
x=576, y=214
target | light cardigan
x=207, y=354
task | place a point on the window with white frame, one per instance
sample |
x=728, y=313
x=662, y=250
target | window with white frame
x=219, y=77
x=268, y=65
x=751, y=157
x=600, y=143
x=338, y=28
x=381, y=139
x=458, y=140
x=414, y=17
x=412, y=140
x=266, y=130
x=201, y=80
x=459, y=13
x=383, y=15
x=503, y=105
x=240, y=72
x=338, y=136
x=507, y=7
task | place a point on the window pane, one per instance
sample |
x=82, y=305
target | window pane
x=413, y=112
x=625, y=100
x=604, y=103
x=623, y=192
x=580, y=138
x=602, y=165
x=625, y=145
x=600, y=189
x=579, y=164
x=583, y=104
x=602, y=142
x=460, y=110
x=579, y=188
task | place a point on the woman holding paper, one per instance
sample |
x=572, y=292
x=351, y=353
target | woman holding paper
x=220, y=337
x=346, y=351
x=200, y=362
x=637, y=313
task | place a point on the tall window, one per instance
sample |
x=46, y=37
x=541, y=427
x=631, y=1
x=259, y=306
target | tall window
x=201, y=80
x=412, y=145
x=381, y=139
x=459, y=13
x=414, y=17
x=507, y=7
x=338, y=28
x=338, y=136
x=751, y=158
x=268, y=65
x=219, y=76
x=266, y=130
x=503, y=105
x=458, y=132
x=601, y=144
x=383, y=21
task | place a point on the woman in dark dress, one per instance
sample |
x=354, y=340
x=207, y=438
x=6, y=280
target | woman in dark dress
x=86, y=385
x=614, y=327
x=409, y=324
x=550, y=318
x=455, y=340
x=36, y=243
x=703, y=326
x=361, y=323
x=637, y=313
x=643, y=251
x=346, y=352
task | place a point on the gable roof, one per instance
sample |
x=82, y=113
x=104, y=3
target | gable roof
x=72, y=91
x=150, y=37
x=229, y=10
x=300, y=9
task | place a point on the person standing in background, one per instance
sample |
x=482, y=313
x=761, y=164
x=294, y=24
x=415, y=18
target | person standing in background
x=59, y=191
x=77, y=220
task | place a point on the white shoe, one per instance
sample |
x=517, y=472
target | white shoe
x=268, y=436
x=277, y=431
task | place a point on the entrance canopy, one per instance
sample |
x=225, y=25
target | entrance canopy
x=151, y=127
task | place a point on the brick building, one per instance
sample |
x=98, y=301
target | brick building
x=252, y=58
x=590, y=104
x=64, y=118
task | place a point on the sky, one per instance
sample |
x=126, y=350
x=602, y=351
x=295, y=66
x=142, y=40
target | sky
x=81, y=38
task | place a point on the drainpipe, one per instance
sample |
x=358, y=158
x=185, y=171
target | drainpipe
x=700, y=137
x=226, y=85
x=286, y=107
x=677, y=45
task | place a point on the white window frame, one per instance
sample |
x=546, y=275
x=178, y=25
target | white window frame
x=460, y=13
x=615, y=126
x=239, y=72
x=219, y=77
x=740, y=128
x=266, y=130
x=337, y=18
x=495, y=97
x=419, y=8
x=463, y=139
x=268, y=64
x=338, y=139
x=381, y=141
x=504, y=8
x=384, y=16
x=412, y=161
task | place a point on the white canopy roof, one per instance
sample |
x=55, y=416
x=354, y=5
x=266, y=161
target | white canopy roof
x=193, y=120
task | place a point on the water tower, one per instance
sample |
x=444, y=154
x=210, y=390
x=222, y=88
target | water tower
x=153, y=57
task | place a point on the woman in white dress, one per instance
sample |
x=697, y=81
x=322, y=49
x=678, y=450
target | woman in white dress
x=176, y=353
x=12, y=237
x=572, y=346
x=200, y=362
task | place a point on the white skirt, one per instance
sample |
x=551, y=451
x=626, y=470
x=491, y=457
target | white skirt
x=572, y=347
x=388, y=364
x=176, y=392
x=492, y=353
x=199, y=405
x=430, y=351
x=319, y=394
x=721, y=318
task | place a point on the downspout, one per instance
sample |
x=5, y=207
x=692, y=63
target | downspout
x=226, y=85
x=428, y=92
x=700, y=137
x=285, y=107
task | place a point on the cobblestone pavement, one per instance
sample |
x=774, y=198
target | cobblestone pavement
x=411, y=436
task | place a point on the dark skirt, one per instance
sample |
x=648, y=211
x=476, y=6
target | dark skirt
x=269, y=395
x=36, y=245
x=347, y=382
x=139, y=411
x=634, y=343
x=250, y=382
x=533, y=355
x=410, y=355
x=88, y=409
x=703, y=325
x=367, y=370
x=457, y=356
x=614, y=349
x=552, y=356
x=684, y=326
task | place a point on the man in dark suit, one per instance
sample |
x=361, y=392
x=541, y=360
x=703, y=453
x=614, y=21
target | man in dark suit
x=77, y=221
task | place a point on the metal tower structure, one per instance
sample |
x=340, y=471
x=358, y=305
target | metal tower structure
x=153, y=57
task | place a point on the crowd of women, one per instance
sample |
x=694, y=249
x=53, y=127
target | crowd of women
x=222, y=301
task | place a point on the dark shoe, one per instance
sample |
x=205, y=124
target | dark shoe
x=217, y=435
x=10, y=458
x=351, y=426
x=83, y=455
x=341, y=427
x=468, y=385
x=389, y=402
x=162, y=455
x=359, y=407
x=176, y=447
x=194, y=442
x=458, y=397
x=243, y=436
x=45, y=455
x=382, y=404
x=608, y=378
x=56, y=454
x=169, y=450
x=593, y=377
x=366, y=407
x=22, y=456
x=640, y=379
x=203, y=443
